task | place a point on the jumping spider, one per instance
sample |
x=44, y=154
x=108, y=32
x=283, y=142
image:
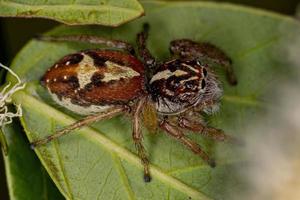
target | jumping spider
x=170, y=95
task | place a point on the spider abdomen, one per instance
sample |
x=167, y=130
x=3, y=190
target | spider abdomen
x=94, y=80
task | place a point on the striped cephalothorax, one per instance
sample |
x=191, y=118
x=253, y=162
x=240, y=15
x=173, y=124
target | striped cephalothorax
x=170, y=95
x=180, y=84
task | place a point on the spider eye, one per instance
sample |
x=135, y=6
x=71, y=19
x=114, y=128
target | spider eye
x=203, y=84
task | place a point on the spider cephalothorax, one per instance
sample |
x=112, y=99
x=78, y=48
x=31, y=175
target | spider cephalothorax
x=178, y=85
x=169, y=95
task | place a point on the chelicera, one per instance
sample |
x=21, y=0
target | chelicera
x=170, y=95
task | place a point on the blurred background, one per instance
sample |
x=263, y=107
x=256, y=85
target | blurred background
x=14, y=33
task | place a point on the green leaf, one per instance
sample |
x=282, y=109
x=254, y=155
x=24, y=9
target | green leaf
x=26, y=177
x=100, y=161
x=3, y=143
x=103, y=12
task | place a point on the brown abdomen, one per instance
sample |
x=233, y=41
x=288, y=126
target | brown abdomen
x=96, y=77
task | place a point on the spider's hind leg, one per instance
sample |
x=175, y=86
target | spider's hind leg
x=190, y=49
x=83, y=122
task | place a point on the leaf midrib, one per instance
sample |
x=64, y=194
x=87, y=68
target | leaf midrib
x=24, y=98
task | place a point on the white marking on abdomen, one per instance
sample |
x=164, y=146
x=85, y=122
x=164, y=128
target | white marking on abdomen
x=116, y=72
x=85, y=70
x=66, y=103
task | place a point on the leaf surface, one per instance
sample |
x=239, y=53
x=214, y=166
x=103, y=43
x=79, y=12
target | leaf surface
x=26, y=177
x=100, y=162
x=78, y=12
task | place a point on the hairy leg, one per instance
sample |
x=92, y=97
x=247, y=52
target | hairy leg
x=174, y=132
x=192, y=49
x=138, y=139
x=89, y=39
x=143, y=51
x=83, y=122
x=210, y=132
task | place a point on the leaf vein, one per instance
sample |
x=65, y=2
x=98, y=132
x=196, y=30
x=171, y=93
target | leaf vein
x=124, y=177
x=246, y=100
x=105, y=182
x=258, y=46
x=55, y=144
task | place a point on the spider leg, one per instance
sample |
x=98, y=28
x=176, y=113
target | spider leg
x=137, y=136
x=204, y=50
x=145, y=54
x=89, y=39
x=210, y=132
x=83, y=122
x=174, y=132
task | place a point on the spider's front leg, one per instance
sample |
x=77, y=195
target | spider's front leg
x=89, y=39
x=173, y=131
x=190, y=49
x=83, y=122
x=209, y=132
x=137, y=136
x=148, y=60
